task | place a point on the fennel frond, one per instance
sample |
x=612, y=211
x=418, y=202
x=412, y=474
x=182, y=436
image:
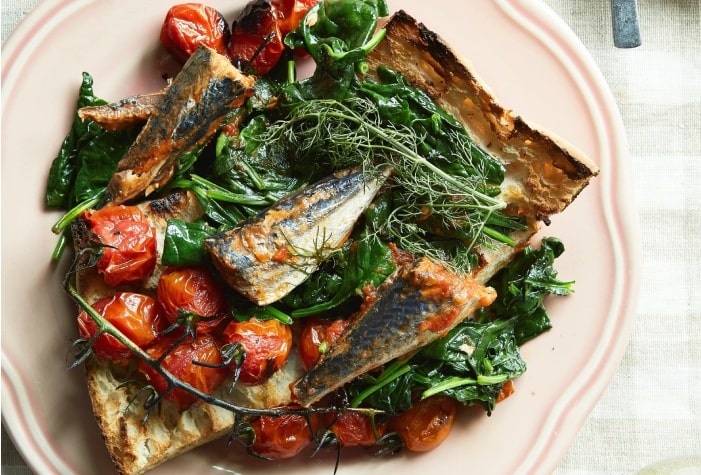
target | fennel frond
x=430, y=197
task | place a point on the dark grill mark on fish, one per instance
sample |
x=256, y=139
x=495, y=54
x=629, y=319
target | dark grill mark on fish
x=179, y=204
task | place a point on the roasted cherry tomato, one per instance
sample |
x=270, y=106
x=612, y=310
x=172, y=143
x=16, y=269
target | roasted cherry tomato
x=353, y=429
x=317, y=335
x=280, y=437
x=426, y=424
x=256, y=41
x=192, y=290
x=188, y=25
x=137, y=316
x=257, y=35
x=129, y=255
x=506, y=390
x=181, y=363
x=291, y=12
x=267, y=344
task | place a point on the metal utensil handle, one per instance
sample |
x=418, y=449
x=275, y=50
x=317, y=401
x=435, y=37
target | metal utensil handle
x=626, y=23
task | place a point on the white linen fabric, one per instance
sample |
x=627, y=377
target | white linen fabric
x=650, y=415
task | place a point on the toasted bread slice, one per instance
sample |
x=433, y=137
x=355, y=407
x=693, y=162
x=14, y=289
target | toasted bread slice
x=136, y=446
x=544, y=175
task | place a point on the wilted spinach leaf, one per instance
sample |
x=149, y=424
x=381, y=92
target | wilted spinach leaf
x=88, y=155
x=522, y=287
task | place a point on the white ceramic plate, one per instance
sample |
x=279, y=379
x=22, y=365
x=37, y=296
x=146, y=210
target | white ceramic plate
x=533, y=64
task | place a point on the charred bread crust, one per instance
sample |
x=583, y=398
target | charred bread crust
x=547, y=172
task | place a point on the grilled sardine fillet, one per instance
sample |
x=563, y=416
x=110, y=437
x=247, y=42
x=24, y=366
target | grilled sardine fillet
x=133, y=445
x=124, y=113
x=418, y=304
x=543, y=176
x=198, y=101
x=267, y=256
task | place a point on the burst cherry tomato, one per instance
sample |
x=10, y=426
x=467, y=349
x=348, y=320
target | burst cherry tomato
x=137, y=316
x=291, y=12
x=257, y=35
x=354, y=429
x=280, y=437
x=188, y=25
x=317, y=334
x=129, y=255
x=426, y=424
x=506, y=390
x=256, y=41
x=193, y=290
x=180, y=362
x=267, y=344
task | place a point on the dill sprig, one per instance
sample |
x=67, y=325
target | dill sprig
x=353, y=134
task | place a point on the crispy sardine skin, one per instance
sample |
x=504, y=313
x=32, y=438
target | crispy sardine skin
x=414, y=307
x=268, y=255
x=198, y=101
x=125, y=113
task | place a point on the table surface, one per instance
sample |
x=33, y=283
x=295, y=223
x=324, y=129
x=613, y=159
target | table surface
x=650, y=415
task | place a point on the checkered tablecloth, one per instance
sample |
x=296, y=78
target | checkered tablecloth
x=650, y=416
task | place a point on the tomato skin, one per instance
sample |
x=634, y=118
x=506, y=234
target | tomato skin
x=280, y=437
x=291, y=12
x=138, y=316
x=506, y=390
x=188, y=25
x=129, y=255
x=267, y=344
x=427, y=424
x=179, y=362
x=256, y=41
x=257, y=35
x=315, y=333
x=353, y=429
x=193, y=290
